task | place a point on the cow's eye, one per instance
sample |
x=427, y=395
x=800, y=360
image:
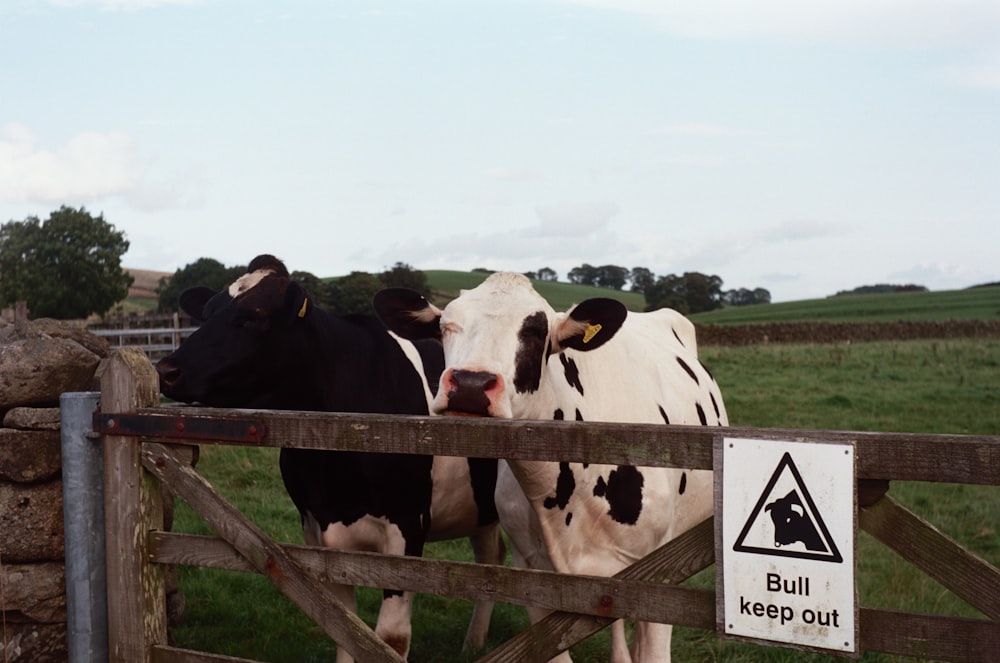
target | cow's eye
x=245, y=318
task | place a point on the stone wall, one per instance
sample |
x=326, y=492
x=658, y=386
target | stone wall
x=844, y=332
x=39, y=360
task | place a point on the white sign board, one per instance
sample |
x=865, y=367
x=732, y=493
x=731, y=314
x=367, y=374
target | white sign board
x=786, y=543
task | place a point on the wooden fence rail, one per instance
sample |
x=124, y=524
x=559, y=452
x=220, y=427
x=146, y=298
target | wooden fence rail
x=140, y=435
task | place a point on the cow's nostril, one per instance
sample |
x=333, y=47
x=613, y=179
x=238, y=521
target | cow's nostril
x=169, y=374
x=467, y=391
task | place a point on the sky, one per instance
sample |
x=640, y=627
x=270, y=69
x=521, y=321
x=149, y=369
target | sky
x=801, y=147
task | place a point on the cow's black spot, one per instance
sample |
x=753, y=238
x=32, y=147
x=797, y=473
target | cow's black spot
x=579, y=415
x=688, y=369
x=623, y=491
x=532, y=346
x=569, y=518
x=705, y=368
x=558, y=415
x=565, y=485
x=572, y=372
x=677, y=337
x=663, y=414
x=684, y=483
x=701, y=414
x=715, y=405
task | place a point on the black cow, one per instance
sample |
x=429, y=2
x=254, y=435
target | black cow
x=264, y=344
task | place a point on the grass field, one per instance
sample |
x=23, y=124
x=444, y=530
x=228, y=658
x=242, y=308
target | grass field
x=913, y=386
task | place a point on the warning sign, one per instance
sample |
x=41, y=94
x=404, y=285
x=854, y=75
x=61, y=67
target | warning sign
x=786, y=542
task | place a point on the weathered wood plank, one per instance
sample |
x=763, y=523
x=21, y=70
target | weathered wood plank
x=267, y=558
x=929, y=637
x=610, y=597
x=177, y=655
x=561, y=630
x=972, y=578
x=132, y=506
x=896, y=456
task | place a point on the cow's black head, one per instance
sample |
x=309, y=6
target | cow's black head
x=247, y=332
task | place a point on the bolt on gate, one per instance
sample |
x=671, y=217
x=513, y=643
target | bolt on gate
x=145, y=444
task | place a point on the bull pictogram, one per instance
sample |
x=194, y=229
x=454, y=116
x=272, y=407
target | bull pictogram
x=785, y=521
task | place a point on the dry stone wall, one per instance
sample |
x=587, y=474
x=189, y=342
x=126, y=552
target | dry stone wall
x=39, y=360
x=844, y=332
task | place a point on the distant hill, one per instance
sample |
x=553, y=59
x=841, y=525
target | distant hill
x=146, y=282
x=981, y=303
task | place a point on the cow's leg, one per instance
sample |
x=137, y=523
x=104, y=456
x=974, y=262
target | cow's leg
x=488, y=548
x=652, y=643
x=394, y=624
x=344, y=593
x=619, y=643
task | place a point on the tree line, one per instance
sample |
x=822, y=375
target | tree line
x=346, y=294
x=690, y=292
x=69, y=266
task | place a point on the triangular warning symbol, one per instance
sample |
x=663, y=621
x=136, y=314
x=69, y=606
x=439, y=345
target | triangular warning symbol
x=785, y=521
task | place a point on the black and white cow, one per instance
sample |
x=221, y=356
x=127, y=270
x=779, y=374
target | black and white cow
x=264, y=344
x=508, y=354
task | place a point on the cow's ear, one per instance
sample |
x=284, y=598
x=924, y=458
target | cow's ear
x=407, y=313
x=297, y=302
x=192, y=301
x=590, y=324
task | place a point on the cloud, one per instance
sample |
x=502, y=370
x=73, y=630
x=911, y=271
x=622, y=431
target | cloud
x=566, y=235
x=90, y=165
x=121, y=5
x=982, y=76
x=512, y=175
x=798, y=231
x=574, y=219
x=877, y=23
x=702, y=129
x=944, y=275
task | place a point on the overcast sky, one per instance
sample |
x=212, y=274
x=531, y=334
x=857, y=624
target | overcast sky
x=802, y=147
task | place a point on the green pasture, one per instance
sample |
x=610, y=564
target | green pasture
x=969, y=304
x=914, y=386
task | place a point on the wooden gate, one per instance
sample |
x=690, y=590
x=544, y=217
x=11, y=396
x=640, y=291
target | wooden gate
x=146, y=444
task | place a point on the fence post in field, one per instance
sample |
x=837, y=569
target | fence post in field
x=133, y=508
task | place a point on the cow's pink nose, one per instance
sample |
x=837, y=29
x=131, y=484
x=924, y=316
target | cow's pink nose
x=467, y=391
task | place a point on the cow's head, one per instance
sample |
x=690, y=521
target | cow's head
x=497, y=339
x=228, y=361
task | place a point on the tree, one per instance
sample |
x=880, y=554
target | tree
x=67, y=267
x=547, y=274
x=353, y=293
x=583, y=275
x=667, y=292
x=203, y=271
x=641, y=278
x=318, y=291
x=612, y=276
x=402, y=275
x=692, y=293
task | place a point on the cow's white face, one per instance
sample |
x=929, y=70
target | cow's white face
x=497, y=339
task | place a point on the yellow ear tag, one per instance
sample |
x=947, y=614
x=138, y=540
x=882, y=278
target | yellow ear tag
x=305, y=305
x=591, y=332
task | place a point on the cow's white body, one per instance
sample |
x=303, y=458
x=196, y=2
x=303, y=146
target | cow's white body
x=572, y=517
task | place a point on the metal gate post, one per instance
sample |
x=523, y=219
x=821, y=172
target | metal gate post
x=83, y=523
